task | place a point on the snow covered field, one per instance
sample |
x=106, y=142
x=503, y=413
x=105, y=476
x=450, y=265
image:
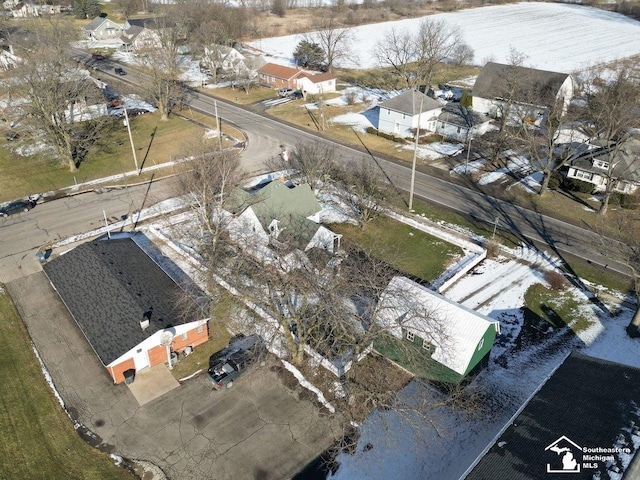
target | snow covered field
x=556, y=37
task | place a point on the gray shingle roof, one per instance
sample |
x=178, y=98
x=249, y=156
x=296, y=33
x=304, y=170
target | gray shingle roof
x=588, y=400
x=626, y=158
x=108, y=286
x=409, y=102
x=522, y=84
x=456, y=114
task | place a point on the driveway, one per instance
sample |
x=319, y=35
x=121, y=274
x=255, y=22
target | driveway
x=259, y=429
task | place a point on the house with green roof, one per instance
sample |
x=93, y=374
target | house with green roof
x=277, y=220
x=431, y=336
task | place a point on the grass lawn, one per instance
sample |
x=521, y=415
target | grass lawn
x=402, y=246
x=559, y=309
x=237, y=95
x=38, y=439
x=156, y=142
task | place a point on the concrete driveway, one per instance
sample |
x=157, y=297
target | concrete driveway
x=259, y=429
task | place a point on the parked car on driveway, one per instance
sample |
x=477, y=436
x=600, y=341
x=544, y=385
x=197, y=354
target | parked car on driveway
x=16, y=207
x=97, y=56
x=119, y=71
x=286, y=92
x=232, y=362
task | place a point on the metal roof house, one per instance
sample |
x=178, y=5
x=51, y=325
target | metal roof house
x=401, y=115
x=583, y=423
x=523, y=94
x=125, y=304
x=458, y=339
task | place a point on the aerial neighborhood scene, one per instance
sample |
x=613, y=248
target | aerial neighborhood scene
x=320, y=239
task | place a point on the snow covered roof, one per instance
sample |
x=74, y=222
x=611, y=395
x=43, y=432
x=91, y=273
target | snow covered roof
x=452, y=328
x=410, y=102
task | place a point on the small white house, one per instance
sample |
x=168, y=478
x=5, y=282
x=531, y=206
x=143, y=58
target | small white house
x=402, y=114
x=101, y=28
x=25, y=10
x=462, y=124
x=309, y=83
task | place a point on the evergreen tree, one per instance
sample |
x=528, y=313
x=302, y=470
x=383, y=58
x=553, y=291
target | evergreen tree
x=309, y=54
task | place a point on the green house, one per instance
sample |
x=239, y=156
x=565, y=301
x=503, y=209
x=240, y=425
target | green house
x=430, y=335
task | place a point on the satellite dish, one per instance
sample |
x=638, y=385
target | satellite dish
x=166, y=338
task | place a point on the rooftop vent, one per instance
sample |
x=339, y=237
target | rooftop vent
x=144, y=324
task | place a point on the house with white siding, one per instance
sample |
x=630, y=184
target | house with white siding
x=402, y=114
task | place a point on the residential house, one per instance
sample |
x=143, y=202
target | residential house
x=278, y=221
x=586, y=404
x=401, y=115
x=278, y=76
x=9, y=4
x=101, y=28
x=50, y=9
x=460, y=123
x=524, y=94
x=314, y=83
x=455, y=340
x=137, y=38
x=126, y=306
x=92, y=105
x=25, y=10
x=620, y=164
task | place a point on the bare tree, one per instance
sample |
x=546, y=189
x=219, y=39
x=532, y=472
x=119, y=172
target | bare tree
x=363, y=188
x=414, y=57
x=126, y=7
x=334, y=41
x=210, y=41
x=315, y=162
x=162, y=62
x=609, y=117
x=59, y=102
x=397, y=49
x=620, y=242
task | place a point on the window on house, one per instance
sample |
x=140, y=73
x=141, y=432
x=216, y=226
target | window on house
x=583, y=175
x=200, y=328
x=184, y=336
x=601, y=164
x=426, y=345
x=410, y=336
x=481, y=344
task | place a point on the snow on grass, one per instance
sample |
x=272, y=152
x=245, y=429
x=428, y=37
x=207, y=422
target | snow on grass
x=433, y=151
x=356, y=120
x=555, y=37
x=472, y=167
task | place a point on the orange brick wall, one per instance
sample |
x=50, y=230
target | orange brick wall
x=193, y=339
x=157, y=355
x=118, y=370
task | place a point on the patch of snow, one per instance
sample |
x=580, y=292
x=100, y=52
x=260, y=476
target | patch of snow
x=433, y=151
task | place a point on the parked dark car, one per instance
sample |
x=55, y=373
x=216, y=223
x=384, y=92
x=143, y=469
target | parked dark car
x=16, y=207
x=120, y=71
x=232, y=362
x=97, y=56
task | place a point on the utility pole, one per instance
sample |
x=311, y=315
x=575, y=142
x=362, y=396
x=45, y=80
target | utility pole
x=218, y=126
x=415, y=155
x=133, y=148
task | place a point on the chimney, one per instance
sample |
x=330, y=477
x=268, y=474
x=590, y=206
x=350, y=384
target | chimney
x=144, y=324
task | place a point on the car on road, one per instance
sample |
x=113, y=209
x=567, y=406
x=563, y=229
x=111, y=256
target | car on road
x=16, y=207
x=97, y=56
x=232, y=362
x=119, y=71
x=286, y=92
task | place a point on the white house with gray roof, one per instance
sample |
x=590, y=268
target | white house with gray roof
x=401, y=115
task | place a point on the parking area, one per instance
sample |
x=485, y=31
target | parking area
x=260, y=428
